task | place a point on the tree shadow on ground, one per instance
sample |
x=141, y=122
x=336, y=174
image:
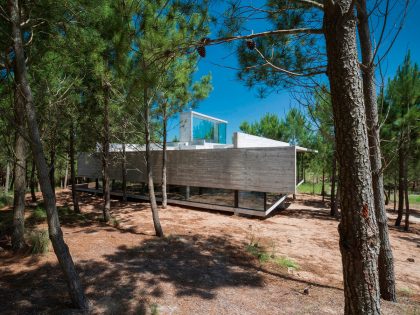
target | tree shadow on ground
x=320, y=213
x=125, y=281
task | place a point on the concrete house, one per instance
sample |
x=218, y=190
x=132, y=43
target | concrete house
x=253, y=175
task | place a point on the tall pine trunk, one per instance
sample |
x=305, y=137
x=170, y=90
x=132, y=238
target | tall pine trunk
x=56, y=236
x=32, y=181
x=386, y=259
x=152, y=197
x=124, y=173
x=105, y=156
x=74, y=195
x=359, y=243
x=164, y=159
x=19, y=188
x=401, y=167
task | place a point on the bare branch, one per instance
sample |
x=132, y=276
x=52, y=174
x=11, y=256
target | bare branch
x=291, y=73
x=263, y=34
x=312, y=4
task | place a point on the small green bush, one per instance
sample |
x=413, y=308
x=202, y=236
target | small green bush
x=286, y=262
x=258, y=252
x=39, y=213
x=5, y=201
x=405, y=291
x=154, y=309
x=39, y=241
x=114, y=222
x=263, y=256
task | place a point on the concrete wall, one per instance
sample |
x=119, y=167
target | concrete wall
x=185, y=127
x=244, y=140
x=252, y=169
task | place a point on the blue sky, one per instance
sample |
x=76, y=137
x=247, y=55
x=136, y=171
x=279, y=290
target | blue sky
x=232, y=101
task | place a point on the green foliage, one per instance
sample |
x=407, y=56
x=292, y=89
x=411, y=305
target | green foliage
x=39, y=241
x=399, y=106
x=286, y=262
x=5, y=201
x=39, y=214
x=405, y=291
x=294, y=128
x=309, y=187
x=154, y=309
x=257, y=251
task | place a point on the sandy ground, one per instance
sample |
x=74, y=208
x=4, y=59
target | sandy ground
x=201, y=266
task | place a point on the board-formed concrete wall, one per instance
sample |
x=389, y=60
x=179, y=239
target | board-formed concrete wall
x=250, y=169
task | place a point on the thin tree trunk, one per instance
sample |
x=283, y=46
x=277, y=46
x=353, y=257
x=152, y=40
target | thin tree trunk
x=337, y=198
x=105, y=157
x=387, y=194
x=407, y=201
x=152, y=197
x=386, y=259
x=359, y=242
x=7, y=182
x=74, y=195
x=164, y=159
x=401, y=162
x=124, y=174
x=333, y=209
x=32, y=182
x=395, y=192
x=19, y=188
x=313, y=184
x=66, y=174
x=60, y=248
x=323, y=184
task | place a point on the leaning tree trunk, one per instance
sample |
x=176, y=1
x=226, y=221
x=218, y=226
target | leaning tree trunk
x=18, y=236
x=164, y=159
x=60, y=248
x=105, y=157
x=359, y=243
x=401, y=167
x=386, y=259
x=152, y=197
x=74, y=195
x=333, y=209
x=32, y=181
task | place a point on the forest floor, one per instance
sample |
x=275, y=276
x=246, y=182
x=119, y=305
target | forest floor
x=208, y=263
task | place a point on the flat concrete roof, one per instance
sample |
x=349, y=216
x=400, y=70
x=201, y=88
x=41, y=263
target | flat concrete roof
x=209, y=117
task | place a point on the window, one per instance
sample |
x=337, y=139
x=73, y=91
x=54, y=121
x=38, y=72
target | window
x=209, y=130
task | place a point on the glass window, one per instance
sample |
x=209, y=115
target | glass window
x=203, y=130
x=222, y=133
x=211, y=131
